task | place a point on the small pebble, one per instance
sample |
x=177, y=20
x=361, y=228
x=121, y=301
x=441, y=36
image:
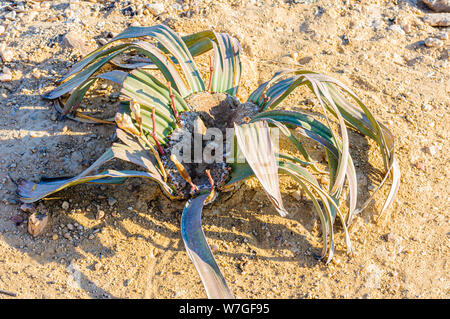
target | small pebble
x=5, y=77
x=430, y=150
x=70, y=227
x=156, y=8
x=438, y=5
x=100, y=214
x=214, y=248
x=297, y=195
x=420, y=166
x=7, y=55
x=55, y=237
x=16, y=219
x=65, y=205
x=111, y=201
x=396, y=28
x=10, y=15
x=442, y=36
x=37, y=223
x=389, y=237
x=127, y=282
x=427, y=107
x=433, y=43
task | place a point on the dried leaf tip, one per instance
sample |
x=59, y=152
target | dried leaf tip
x=125, y=123
x=136, y=109
x=184, y=173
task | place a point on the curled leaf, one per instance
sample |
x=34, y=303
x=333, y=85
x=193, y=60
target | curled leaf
x=256, y=145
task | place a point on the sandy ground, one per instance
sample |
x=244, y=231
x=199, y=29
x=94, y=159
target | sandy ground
x=135, y=251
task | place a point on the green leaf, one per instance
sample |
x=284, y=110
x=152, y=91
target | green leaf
x=133, y=152
x=227, y=64
x=358, y=117
x=255, y=144
x=199, y=252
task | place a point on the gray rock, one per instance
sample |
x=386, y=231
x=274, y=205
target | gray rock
x=75, y=40
x=397, y=29
x=442, y=36
x=438, y=5
x=111, y=201
x=77, y=157
x=437, y=19
x=10, y=15
x=433, y=43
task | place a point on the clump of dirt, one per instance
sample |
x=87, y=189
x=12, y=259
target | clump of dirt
x=200, y=142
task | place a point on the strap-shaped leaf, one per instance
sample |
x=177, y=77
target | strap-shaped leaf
x=94, y=56
x=326, y=219
x=171, y=43
x=175, y=45
x=182, y=47
x=327, y=212
x=256, y=145
x=358, y=117
x=133, y=151
x=330, y=204
x=164, y=64
x=199, y=252
x=227, y=64
x=313, y=129
x=78, y=93
x=81, y=77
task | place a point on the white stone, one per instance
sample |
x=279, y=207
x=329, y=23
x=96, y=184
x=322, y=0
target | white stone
x=433, y=43
x=396, y=28
x=5, y=77
x=427, y=107
x=65, y=205
x=442, y=36
x=7, y=55
x=431, y=150
x=156, y=8
x=10, y=15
